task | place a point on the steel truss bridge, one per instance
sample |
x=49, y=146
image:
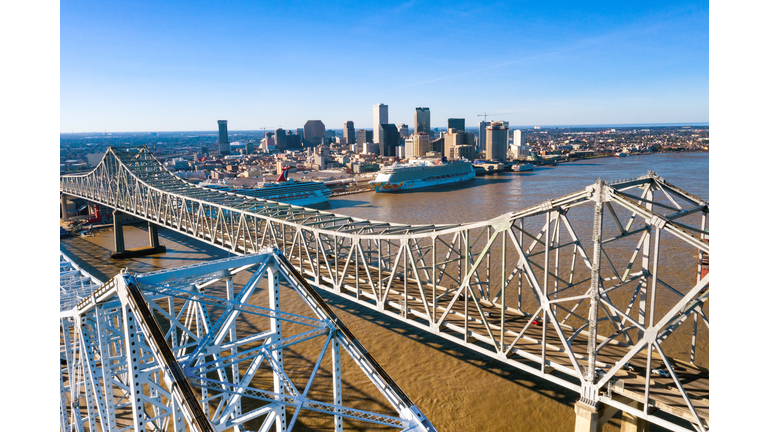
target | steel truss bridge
x=589, y=291
x=135, y=346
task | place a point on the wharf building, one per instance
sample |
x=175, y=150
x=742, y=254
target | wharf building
x=496, y=139
x=421, y=121
x=456, y=123
x=349, y=132
x=459, y=144
x=223, y=138
x=314, y=132
x=417, y=145
x=380, y=117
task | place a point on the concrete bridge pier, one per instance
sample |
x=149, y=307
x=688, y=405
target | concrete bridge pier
x=64, y=201
x=592, y=418
x=120, y=252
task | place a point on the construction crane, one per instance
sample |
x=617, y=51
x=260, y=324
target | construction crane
x=485, y=115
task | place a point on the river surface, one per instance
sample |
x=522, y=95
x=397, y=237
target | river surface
x=456, y=388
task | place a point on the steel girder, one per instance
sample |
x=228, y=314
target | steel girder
x=165, y=351
x=523, y=288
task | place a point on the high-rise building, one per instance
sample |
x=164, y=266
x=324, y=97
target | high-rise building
x=223, y=138
x=390, y=139
x=349, y=132
x=456, y=123
x=403, y=129
x=421, y=121
x=300, y=133
x=292, y=141
x=314, y=132
x=496, y=138
x=454, y=142
x=481, y=135
x=364, y=136
x=518, y=138
x=416, y=145
x=281, y=143
x=380, y=117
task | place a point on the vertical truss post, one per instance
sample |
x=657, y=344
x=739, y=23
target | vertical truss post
x=338, y=425
x=277, y=354
x=136, y=378
x=233, y=338
x=594, y=289
x=545, y=301
x=642, y=319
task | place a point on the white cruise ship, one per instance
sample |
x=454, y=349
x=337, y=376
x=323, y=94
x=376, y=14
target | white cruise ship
x=283, y=190
x=421, y=173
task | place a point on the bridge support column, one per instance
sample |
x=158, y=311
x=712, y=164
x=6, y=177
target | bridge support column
x=587, y=418
x=632, y=423
x=117, y=224
x=64, y=202
x=154, y=241
x=120, y=252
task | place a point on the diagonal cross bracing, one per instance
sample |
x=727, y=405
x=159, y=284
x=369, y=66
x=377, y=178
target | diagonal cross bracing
x=526, y=275
x=129, y=367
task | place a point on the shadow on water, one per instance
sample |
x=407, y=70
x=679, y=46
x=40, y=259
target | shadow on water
x=479, y=181
x=342, y=202
x=502, y=370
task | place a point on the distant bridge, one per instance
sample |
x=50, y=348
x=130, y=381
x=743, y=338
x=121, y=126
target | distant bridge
x=582, y=290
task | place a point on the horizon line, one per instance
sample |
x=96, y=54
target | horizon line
x=594, y=125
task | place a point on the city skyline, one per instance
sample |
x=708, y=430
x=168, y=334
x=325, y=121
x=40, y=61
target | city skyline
x=151, y=68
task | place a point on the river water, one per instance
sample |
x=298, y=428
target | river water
x=457, y=389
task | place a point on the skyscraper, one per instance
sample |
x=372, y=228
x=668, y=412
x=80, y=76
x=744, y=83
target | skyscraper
x=456, y=123
x=314, y=132
x=416, y=145
x=519, y=138
x=349, y=132
x=421, y=121
x=223, y=138
x=496, y=139
x=403, y=129
x=481, y=135
x=281, y=143
x=380, y=117
x=390, y=139
x=455, y=141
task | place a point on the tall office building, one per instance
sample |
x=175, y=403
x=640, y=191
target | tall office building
x=292, y=141
x=363, y=136
x=519, y=138
x=281, y=143
x=456, y=123
x=455, y=143
x=349, y=132
x=403, y=129
x=380, y=117
x=496, y=139
x=416, y=145
x=223, y=138
x=390, y=139
x=314, y=132
x=421, y=121
x=481, y=127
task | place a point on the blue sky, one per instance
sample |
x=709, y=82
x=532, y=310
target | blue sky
x=165, y=66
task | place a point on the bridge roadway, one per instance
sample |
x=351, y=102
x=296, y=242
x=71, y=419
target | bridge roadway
x=571, y=356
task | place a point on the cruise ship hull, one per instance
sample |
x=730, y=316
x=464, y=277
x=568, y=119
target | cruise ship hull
x=406, y=185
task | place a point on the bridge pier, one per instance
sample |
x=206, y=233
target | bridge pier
x=592, y=418
x=120, y=252
x=64, y=202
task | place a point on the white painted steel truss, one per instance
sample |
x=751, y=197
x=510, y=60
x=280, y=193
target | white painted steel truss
x=167, y=351
x=574, y=290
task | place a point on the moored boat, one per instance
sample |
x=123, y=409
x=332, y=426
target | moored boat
x=421, y=173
